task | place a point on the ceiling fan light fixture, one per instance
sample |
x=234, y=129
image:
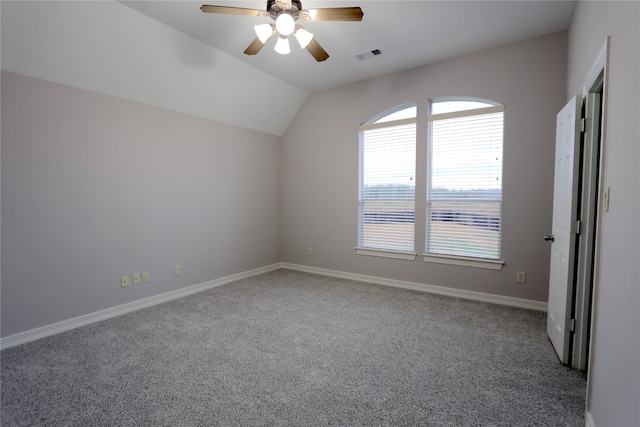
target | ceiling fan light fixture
x=303, y=36
x=282, y=46
x=285, y=23
x=285, y=13
x=264, y=31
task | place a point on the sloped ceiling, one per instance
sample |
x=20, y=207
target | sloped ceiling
x=409, y=33
x=109, y=48
x=171, y=55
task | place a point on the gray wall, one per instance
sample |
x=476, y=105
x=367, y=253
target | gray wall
x=95, y=187
x=320, y=165
x=614, y=377
x=74, y=43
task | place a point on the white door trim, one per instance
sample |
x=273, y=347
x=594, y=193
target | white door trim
x=601, y=64
x=588, y=217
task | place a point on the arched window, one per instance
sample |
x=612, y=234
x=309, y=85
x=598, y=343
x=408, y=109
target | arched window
x=463, y=196
x=387, y=155
x=464, y=178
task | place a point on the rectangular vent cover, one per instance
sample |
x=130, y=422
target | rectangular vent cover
x=368, y=54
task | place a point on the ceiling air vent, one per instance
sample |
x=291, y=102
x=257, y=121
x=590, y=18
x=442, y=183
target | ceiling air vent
x=367, y=54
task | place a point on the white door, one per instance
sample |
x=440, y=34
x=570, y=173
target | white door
x=564, y=225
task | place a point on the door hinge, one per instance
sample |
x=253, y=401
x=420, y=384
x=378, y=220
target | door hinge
x=576, y=227
x=585, y=124
x=571, y=325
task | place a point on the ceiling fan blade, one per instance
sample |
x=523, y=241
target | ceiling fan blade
x=231, y=10
x=332, y=14
x=317, y=51
x=254, y=47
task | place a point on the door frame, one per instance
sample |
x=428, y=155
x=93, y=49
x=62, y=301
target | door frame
x=599, y=72
x=588, y=216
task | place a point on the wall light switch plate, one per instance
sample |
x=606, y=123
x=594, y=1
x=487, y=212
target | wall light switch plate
x=145, y=277
x=521, y=277
x=135, y=279
x=177, y=270
x=124, y=281
x=605, y=199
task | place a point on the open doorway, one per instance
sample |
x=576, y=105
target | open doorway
x=579, y=200
x=589, y=200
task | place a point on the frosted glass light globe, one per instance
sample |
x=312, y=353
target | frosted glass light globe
x=263, y=32
x=282, y=46
x=285, y=24
x=303, y=36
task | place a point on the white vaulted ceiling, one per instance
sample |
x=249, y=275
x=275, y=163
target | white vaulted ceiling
x=170, y=54
x=409, y=33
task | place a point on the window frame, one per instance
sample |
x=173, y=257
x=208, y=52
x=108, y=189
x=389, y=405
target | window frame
x=378, y=122
x=452, y=259
x=423, y=169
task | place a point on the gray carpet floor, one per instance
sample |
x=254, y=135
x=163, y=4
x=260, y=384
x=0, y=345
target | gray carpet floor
x=294, y=349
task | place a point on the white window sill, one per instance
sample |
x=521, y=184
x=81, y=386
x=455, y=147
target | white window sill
x=487, y=264
x=410, y=256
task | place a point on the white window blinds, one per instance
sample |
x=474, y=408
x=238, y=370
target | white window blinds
x=464, y=191
x=387, y=183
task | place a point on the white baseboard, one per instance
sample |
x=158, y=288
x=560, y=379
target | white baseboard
x=440, y=290
x=65, y=325
x=589, y=420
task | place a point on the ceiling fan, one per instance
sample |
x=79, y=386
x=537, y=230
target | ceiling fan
x=285, y=13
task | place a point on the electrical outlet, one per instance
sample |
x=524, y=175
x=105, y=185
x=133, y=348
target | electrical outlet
x=145, y=277
x=521, y=277
x=177, y=270
x=309, y=252
x=124, y=281
x=135, y=279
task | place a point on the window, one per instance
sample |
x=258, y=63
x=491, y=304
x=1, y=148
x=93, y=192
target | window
x=461, y=174
x=387, y=184
x=464, y=184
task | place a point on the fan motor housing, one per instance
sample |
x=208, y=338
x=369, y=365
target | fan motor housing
x=274, y=8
